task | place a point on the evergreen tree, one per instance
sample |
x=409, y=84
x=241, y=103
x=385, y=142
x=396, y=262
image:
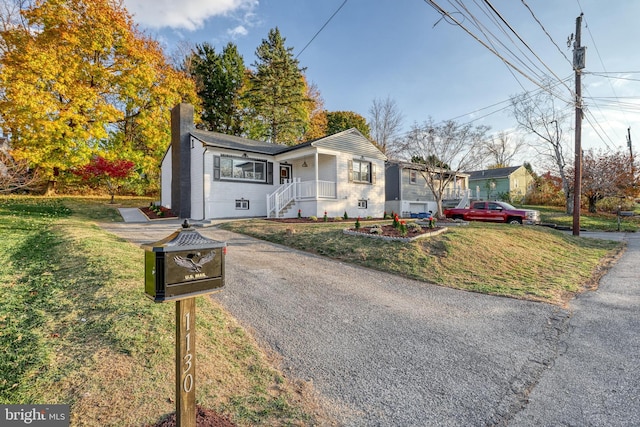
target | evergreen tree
x=337, y=121
x=219, y=79
x=276, y=93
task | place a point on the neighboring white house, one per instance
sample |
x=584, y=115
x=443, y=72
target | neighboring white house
x=207, y=175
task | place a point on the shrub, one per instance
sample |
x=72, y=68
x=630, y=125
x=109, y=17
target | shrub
x=375, y=229
x=610, y=204
x=338, y=218
x=403, y=228
x=357, y=224
x=345, y=216
x=412, y=226
x=313, y=218
x=432, y=222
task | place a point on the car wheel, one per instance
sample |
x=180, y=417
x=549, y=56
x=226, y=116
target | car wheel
x=457, y=217
x=515, y=221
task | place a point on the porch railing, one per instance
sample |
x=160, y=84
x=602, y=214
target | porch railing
x=295, y=189
x=316, y=189
x=456, y=193
x=279, y=199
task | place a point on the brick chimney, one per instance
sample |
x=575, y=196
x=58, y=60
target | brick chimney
x=181, y=126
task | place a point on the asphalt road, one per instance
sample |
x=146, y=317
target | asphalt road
x=388, y=351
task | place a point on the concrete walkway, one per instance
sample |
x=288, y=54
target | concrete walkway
x=387, y=351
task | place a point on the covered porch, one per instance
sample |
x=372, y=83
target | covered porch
x=308, y=177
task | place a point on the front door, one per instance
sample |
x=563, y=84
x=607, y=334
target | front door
x=285, y=173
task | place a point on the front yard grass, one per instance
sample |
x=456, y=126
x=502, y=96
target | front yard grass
x=77, y=329
x=600, y=221
x=526, y=262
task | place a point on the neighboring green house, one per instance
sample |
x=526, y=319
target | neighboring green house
x=496, y=184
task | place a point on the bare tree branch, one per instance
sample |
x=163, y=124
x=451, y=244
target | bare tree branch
x=539, y=115
x=385, y=121
x=444, y=151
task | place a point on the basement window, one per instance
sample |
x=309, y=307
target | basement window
x=362, y=204
x=242, y=204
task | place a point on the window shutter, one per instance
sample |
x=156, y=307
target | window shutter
x=350, y=167
x=373, y=173
x=216, y=168
x=269, y=172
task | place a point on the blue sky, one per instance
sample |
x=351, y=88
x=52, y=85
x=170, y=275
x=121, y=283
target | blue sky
x=405, y=50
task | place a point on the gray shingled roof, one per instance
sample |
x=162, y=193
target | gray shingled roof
x=350, y=140
x=220, y=140
x=492, y=173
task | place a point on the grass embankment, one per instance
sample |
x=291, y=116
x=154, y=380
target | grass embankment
x=76, y=328
x=601, y=221
x=534, y=263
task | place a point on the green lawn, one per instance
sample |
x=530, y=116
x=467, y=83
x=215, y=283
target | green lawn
x=592, y=222
x=76, y=328
x=529, y=262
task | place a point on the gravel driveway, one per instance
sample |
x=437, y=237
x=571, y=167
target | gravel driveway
x=387, y=351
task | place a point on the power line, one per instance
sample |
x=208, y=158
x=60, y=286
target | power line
x=322, y=28
x=443, y=12
x=522, y=41
x=546, y=32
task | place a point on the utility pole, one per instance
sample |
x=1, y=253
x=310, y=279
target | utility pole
x=578, y=65
x=633, y=169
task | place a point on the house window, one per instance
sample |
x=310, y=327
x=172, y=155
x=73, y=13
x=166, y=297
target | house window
x=361, y=171
x=239, y=169
x=362, y=204
x=242, y=204
x=413, y=177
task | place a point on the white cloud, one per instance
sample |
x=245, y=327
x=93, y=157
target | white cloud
x=186, y=14
x=240, y=30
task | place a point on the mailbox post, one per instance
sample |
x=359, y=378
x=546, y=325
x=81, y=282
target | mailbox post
x=178, y=268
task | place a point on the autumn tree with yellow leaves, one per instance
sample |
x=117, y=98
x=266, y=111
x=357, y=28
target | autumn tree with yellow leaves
x=78, y=79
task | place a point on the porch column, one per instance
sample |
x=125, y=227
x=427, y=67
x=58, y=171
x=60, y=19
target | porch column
x=316, y=170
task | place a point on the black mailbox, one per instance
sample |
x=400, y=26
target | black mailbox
x=183, y=265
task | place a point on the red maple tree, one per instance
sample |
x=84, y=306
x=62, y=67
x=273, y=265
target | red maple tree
x=111, y=173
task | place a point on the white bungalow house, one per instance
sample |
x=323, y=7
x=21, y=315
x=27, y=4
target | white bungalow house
x=208, y=175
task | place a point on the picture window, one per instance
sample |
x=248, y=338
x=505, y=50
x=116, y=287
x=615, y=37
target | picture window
x=239, y=169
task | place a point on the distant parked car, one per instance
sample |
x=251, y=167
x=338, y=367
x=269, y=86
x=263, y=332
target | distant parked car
x=494, y=212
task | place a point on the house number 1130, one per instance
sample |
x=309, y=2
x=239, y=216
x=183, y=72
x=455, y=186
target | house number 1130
x=187, y=360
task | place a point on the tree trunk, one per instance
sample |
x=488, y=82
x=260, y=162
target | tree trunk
x=592, y=204
x=51, y=188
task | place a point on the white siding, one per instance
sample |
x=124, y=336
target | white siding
x=165, y=180
x=349, y=193
x=220, y=196
x=197, y=184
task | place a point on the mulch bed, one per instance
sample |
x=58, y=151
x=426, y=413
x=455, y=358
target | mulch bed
x=390, y=231
x=305, y=220
x=204, y=418
x=166, y=213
